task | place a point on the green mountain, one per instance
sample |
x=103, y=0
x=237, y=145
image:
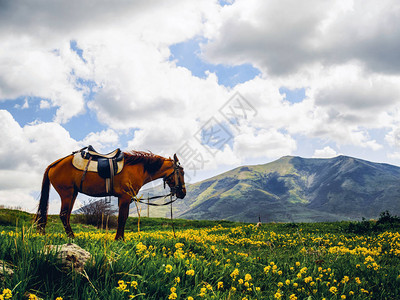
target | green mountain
x=293, y=189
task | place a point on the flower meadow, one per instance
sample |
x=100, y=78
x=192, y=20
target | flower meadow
x=233, y=261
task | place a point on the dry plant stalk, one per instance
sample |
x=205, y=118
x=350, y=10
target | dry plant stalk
x=131, y=192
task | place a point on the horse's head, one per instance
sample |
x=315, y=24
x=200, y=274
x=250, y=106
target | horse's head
x=176, y=180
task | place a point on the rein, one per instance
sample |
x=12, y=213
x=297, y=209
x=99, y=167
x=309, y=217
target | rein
x=157, y=197
x=171, y=194
x=178, y=184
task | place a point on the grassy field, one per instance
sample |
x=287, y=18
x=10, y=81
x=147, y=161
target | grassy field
x=206, y=260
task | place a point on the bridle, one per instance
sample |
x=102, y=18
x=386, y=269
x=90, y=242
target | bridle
x=178, y=186
x=178, y=183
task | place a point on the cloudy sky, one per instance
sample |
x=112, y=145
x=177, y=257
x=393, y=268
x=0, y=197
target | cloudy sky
x=220, y=83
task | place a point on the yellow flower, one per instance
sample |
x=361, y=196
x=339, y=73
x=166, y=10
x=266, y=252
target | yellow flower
x=177, y=279
x=168, y=269
x=308, y=279
x=240, y=281
x=190, y=272
x=7, y=294
x=287, y=282
x=140, y=248
x=297, y=264
x=278, y=295
x=121, y=287
x=247, y=277
x=292, y=297
x=343, y=297
x=233, y=289
x=345, y=279
x=280, y=284
x=134, y=284
x=220, y=285
x=333, y=290
x=235, y=273
x=179, y=245
x=190, y=298
x=173, y=289
x=172, y=296
x=59, y=298
x=30, y=297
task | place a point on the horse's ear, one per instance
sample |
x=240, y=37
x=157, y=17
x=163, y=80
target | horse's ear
x=176, y=158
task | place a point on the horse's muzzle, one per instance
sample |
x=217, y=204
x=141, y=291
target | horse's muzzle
x=181, y=193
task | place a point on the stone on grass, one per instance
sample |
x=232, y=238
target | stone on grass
x=5, y=269
x=71, y=255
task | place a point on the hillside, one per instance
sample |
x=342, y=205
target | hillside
x=294, y=189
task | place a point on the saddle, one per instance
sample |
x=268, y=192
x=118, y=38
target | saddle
x=107, y=166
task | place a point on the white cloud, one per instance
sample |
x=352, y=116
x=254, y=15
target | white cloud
x=100, y=140
x=393, y=137
x=27, y=153
x=32, y=70
x=44, y=104
x=18, y=198
x=326, y=152
x=263, y=143
x=325, y=48
x=283, y=37
x=394, y=155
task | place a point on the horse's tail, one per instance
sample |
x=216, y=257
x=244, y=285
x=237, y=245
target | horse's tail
x=41, y=215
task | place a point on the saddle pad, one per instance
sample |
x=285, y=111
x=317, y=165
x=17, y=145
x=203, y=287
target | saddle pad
x=81, y=163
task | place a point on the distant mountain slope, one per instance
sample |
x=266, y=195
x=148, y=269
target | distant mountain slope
x=290, y=189
x=295, y=189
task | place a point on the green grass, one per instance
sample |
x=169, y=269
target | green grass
x=213, y=260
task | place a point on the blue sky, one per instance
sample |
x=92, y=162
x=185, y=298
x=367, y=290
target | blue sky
x=129, y=75
x=188, y=55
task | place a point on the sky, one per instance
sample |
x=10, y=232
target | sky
x=220, y=83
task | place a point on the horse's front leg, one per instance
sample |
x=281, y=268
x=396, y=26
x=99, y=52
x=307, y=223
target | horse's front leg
x=123, y=203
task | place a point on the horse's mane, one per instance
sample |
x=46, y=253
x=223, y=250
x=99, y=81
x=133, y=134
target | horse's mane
x=152, y=162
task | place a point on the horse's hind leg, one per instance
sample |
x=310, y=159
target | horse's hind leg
x=67, y=202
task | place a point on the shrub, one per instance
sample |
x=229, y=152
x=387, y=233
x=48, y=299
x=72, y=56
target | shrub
x=99, y=213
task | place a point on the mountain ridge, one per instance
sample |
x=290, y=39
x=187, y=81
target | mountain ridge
x=289, y=189
x=296, y=189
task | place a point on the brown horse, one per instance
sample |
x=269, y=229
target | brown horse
x=140, y=168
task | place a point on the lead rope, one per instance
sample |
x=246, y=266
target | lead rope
x=172, y=219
